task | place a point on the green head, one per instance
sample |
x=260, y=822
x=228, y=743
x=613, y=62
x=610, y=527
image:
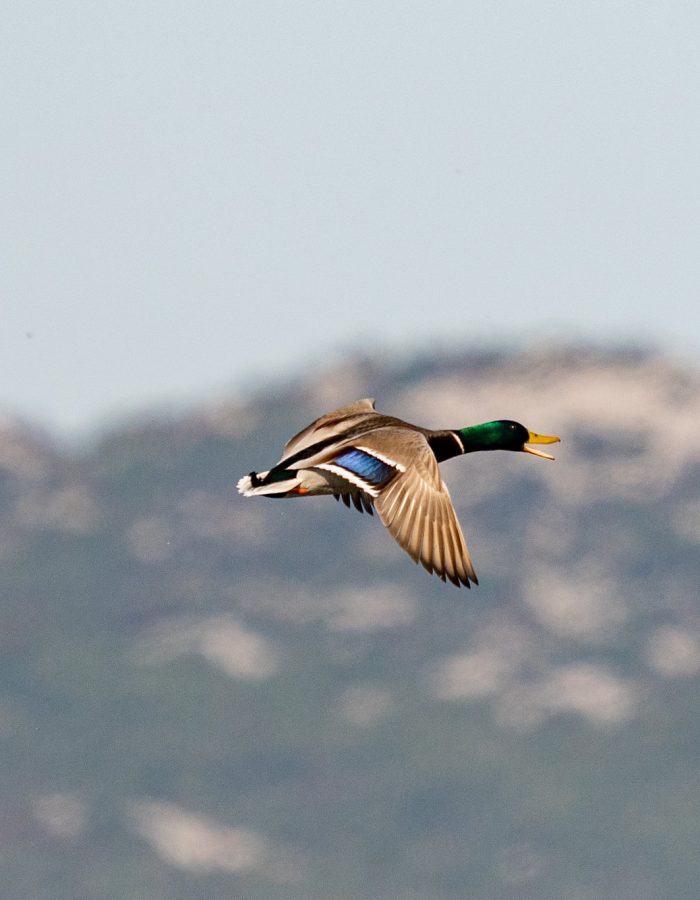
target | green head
x=504, y=435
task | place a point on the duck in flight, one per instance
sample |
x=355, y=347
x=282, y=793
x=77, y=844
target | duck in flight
x=375, y=461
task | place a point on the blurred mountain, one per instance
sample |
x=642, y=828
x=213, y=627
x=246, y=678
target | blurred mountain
x=205, y=696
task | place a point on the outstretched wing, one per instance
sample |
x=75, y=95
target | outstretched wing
x=396, y=468
x=417, y=509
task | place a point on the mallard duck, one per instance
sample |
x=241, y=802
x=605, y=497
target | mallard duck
x=372, y=460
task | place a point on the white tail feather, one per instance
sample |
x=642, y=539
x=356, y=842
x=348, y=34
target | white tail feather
x=245, y=486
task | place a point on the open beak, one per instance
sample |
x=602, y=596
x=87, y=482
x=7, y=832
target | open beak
x=534, y=438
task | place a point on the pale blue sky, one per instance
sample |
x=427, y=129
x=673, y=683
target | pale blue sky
x=195, y=195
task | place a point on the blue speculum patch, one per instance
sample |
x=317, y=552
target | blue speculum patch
x=373, y=470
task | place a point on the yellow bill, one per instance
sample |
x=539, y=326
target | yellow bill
x=534, y=438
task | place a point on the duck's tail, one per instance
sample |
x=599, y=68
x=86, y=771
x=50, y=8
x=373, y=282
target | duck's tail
x=268, y=484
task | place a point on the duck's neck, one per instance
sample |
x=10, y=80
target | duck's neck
x=446, y=444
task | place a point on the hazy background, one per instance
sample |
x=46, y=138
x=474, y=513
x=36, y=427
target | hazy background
x=248, y=214
x=196, y=196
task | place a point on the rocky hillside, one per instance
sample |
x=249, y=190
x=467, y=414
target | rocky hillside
x=205, y=696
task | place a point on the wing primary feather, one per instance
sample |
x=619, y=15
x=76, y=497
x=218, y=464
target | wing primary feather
x=427, y=550
x=440, y=540
x=399, y=510
x=434, y=543
x=463, y=566
x=406, y=524
x=391, y=496
x=449, y=551
x=455, y=551
x=418, y=522
x=424, y=536
x=454, y=538
x=460, y=570
x=466, y=566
